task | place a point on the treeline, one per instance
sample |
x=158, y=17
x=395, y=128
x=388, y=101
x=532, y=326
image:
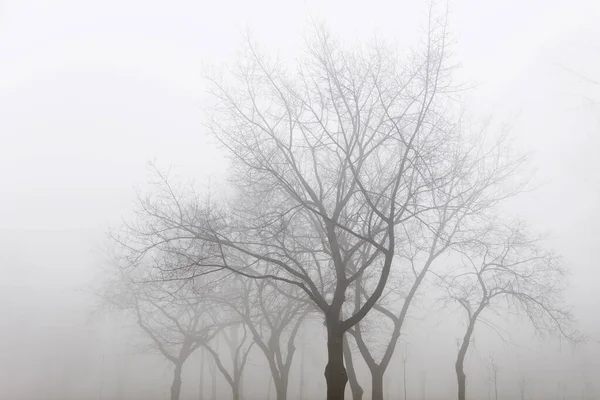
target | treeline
x=355, y=179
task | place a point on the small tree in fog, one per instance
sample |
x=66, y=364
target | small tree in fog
x=176, y=322
x=239, y=343
x=494, y=369
x=506, y=270
x=522, y=387
x=273, y=319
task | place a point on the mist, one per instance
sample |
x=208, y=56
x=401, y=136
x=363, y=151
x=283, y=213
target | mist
x=299, y=200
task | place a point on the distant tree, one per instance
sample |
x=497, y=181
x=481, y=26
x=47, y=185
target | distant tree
x=202, y=358
x=494, y=368
x=273, y=319
x=404, y=362
x=522, y=387
x=175, y=322
x=423, y=384
x=207, y=364
x=239, y=343
x=505, y=268
x=302, y=371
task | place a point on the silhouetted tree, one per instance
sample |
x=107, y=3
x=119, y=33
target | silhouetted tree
x=355, y=387
x=335, y=167
x=273, y=319
x=506, y=268
x=522, y=387
x=239, y=349
x=176, y=322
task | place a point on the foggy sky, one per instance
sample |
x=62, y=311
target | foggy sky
x=90, y=91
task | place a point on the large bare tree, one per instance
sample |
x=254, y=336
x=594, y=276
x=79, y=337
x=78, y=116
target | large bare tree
x=335, y=165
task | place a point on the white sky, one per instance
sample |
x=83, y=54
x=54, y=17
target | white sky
x=91, y=90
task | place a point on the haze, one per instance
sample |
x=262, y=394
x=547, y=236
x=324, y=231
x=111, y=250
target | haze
x=90, y=92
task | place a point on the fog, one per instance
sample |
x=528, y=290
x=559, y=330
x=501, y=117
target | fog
x=91, y=92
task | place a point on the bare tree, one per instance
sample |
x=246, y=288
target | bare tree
x=232, y=369
x=423, y=384
x=213, y=376
x=330, y=166
x=466, y=196
x=505, y=268
x=176, y=323
x=335, y=168
x=302, y=371
x=202, y=358
x=404, y=362
x=355, y=387
x=522, y=387
x=273, y=319
x=494, y=368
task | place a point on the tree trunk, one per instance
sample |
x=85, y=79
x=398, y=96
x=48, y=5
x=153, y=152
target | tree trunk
x=235, y=389
x=281, y=389
x=302, y=373
x=461, y=378
x=376, y=384
x=335, y=372
x=202, y=364
x=459, y=366
x=176, y=385
x=496, y=387
x=269, y=388
x=386, y=387
x=357, y=390
x=404, y=378
x=213, y=384
x=241, y=387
